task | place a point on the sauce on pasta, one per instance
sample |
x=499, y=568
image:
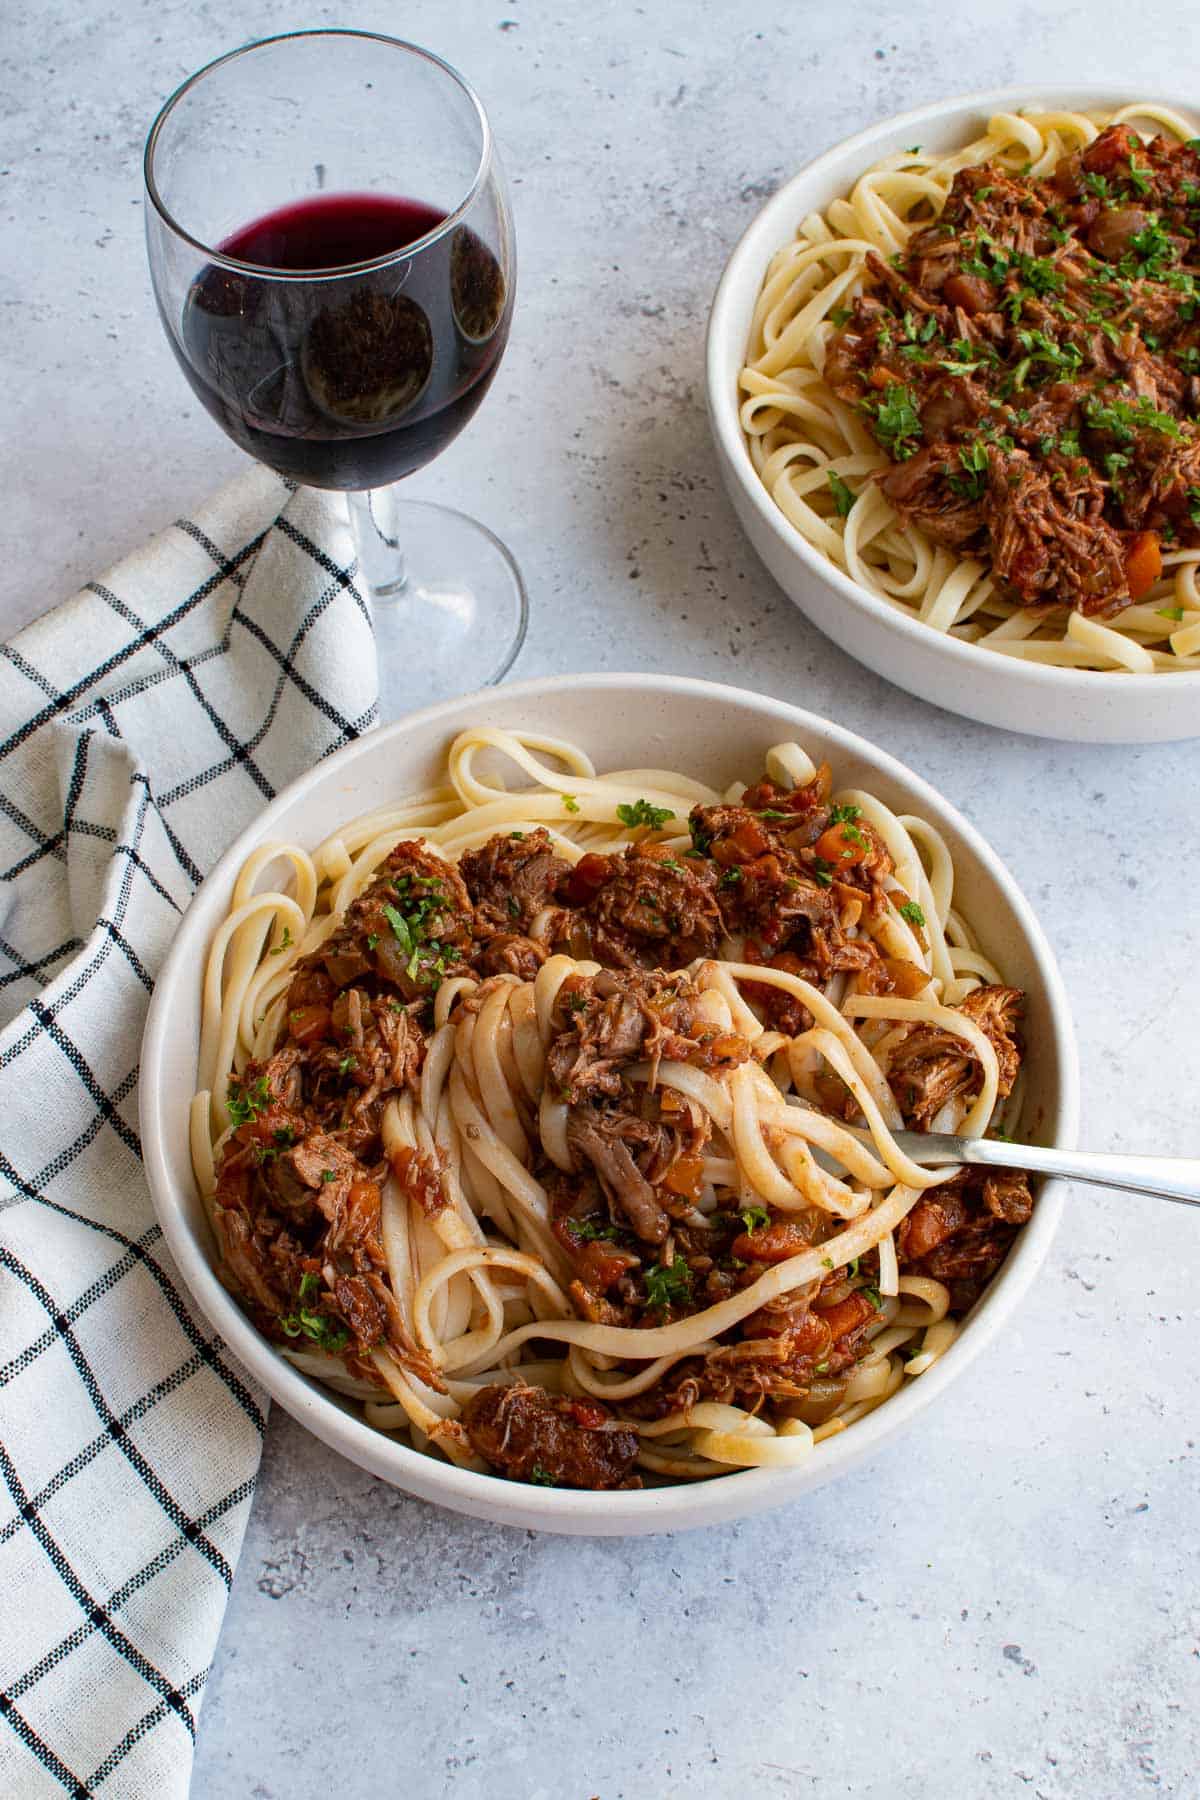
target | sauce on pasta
x=974, y=385
x=556, y=1123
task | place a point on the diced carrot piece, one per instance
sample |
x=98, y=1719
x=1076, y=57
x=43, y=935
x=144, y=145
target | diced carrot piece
x=843, y=846
x=847, y=1315
x=771, y=1243
x=685, y=1176
x=308, y=1023
x=1143, y=563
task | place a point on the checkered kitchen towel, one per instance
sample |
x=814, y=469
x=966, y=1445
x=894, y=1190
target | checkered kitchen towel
x=141, y=726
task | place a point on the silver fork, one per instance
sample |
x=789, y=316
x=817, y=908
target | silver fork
x=1169, y=1177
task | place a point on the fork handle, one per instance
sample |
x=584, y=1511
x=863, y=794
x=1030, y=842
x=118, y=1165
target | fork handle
x=1168, y=1177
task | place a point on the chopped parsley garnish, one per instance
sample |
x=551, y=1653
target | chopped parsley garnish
x=839, y=316
x=972, y=483
x=285, y=942
x=1152, y=248
x=822, y=871
x=514, y=907
x=897, y=420
x=1138, y=176
x=1067, y=359
x=570, y=802
x=328, y=1175
x=347, y=1063
x=328, y=1334
x=642, y=813
x=668, y=1286
x=913, y=913
x=843, y=496
x=246, y=1103
x=1039, y=274
x=845, y=814
x=1114, y=462
x=1193, y=500
x=754, y=1217
x=541, y=1477
x=400, y=929
x=588, y=1230
x=731, y=877
x=1121, y=420
x=701, y=841
x=873, y=1295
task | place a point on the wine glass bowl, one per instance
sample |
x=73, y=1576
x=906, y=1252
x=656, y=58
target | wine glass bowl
x=332, y=256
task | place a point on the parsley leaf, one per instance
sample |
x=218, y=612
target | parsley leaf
x=843, y=496
x=1122, y=420
x=400, y=928
x=897, y=420
x=328, y=1334
x=912, y=912
x=284, y=943
x=753, y=1217
x=541, y=1477
x=972, y=484
x=642, y=813
x=845, y=814
x=570, y=802
x=668, y=1286
x=246, y=1103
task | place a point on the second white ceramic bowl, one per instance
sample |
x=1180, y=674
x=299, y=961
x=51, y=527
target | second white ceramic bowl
x=1083, y=705
x=623, y=721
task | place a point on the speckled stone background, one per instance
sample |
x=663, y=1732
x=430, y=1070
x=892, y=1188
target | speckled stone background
x=1005, y=1603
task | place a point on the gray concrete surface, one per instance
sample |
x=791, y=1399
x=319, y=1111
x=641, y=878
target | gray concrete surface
x=1004, y=1604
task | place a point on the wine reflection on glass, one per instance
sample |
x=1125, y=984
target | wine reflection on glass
x=347, y=333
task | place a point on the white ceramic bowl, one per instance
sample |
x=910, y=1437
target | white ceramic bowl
x=1083, y=705
x=624, y=721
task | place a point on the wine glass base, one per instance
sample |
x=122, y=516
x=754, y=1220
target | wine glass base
x=455, y=619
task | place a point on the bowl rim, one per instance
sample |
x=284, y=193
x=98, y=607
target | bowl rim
x=667, y=1508
x=755, y=247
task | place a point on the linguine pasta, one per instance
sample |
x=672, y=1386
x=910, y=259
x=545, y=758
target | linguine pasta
x=746, y=1289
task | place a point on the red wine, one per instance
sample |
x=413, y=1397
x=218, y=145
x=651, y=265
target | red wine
x=346, y=380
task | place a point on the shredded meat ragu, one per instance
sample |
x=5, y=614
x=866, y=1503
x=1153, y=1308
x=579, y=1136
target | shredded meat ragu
x=1030, y=364
x=301, y=1175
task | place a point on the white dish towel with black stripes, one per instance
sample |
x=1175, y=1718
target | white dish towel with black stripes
x=142, y=724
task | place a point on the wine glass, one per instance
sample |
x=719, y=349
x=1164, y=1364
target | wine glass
x=332, y=254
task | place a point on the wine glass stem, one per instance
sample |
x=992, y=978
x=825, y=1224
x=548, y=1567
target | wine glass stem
x=373, y=516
